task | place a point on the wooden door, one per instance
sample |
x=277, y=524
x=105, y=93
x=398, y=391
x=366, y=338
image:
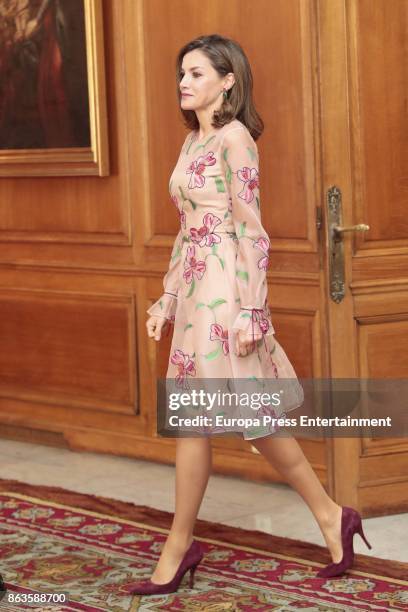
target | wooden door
x=364, y=125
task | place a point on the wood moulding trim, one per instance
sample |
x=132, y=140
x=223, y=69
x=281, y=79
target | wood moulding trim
x=377, y=482
x=47, y=399
x=119, y=238
x=376, y=319
x=70, y=268
x=296, y=278
x=378, y=286
x=391, y=446
x=381, y=248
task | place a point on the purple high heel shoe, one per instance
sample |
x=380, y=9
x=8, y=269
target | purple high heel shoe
x=191, y=559
x=350, y=524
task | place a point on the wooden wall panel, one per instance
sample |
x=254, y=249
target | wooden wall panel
x=284, y=90
x=382, y=43
x=68, y=348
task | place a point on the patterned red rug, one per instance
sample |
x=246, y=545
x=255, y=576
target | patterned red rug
x=57, y=541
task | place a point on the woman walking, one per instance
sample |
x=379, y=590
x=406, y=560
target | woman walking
x=215, y=292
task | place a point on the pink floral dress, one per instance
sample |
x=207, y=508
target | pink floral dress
x=216, y=281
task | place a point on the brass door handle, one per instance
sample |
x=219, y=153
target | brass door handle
x=336, y=243
x=340, y=229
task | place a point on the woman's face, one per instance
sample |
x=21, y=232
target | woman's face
x=200, y=84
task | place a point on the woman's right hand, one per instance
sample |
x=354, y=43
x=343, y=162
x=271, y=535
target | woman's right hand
x=245, y=345
x=154, y=325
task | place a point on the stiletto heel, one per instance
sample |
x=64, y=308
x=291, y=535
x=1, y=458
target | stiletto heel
x=192, y=570
x=350, y=524
x=361, y=533
x=190, y=561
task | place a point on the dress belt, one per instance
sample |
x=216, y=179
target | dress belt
x=231, y=234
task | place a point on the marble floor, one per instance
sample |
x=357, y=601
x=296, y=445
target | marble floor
x=273, y=508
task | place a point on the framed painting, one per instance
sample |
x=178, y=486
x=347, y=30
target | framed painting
x=53, y=118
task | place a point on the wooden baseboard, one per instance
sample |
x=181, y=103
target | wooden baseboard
x=241, y=462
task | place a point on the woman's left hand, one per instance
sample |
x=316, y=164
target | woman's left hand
x=244, y=345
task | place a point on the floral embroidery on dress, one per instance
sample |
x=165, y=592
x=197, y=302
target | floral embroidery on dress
x=205, y=235
x=192, y=267
x=218, y=333
x=251, y=182
x=185, y=366
x=215, y=300
x=263, y=323
x=197, y=167
x=263, y=244
x=180, y=211
x=266, y=410
x=256, y=315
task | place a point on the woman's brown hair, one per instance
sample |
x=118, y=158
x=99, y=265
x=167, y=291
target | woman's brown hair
x=225, y=55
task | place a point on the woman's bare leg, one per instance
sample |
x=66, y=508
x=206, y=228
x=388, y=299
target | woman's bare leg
x=193, y=467
x=287, y=457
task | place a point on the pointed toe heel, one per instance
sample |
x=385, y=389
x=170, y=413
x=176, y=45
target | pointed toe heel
x=190, y=561
x=350, y=524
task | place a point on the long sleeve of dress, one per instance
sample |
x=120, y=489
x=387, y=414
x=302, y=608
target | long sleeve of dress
x=241, y=164
x=166, y=305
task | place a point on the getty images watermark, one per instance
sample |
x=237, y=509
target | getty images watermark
x=306, y=407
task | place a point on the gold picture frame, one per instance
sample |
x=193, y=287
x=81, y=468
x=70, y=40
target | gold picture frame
x=74, y=139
